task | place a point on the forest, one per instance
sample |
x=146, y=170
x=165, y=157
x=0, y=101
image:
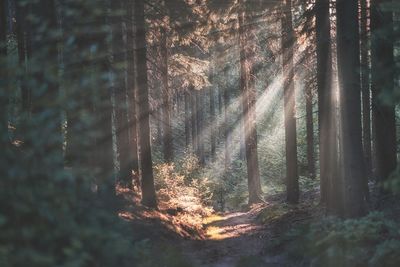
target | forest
x=194, y=133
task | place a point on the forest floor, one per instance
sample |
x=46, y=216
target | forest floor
x=244, y=239
x=231, y=239
x=237, y=239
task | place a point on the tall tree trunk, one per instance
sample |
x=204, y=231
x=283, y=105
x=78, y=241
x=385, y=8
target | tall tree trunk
x=220, y=110
x=23, y=40
x=3, y=76
x=212, y=124
x=167, y=138
x=328, y=155
x=132, y=116
x=383, y=67
x=365, y=87
x=288, y=40
x=200, y=124
x=348, y=51
x=310, y=134
x=247, y=85
x=141, y=85
x=120, y=91
x=227, y=151
x=194, y=120
x=187, y=119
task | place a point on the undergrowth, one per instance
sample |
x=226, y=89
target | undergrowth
x=370, y=241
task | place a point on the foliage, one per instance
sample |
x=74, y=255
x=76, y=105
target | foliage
x=370, y=241
x=178, y=189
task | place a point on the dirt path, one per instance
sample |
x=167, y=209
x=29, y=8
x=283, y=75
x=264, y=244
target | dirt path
x=234, y=239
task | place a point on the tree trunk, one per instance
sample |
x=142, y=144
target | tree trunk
x=383, y=67
x=310, y=134
x=132, y=115
x=288, y=41
x=141, y=89
x=120, y=91
x=167, y=138
x=348, y=51
x=187, y=119
x=212, y=124
x=200, y=124
x=226, y=129
x=23, y=37
x=3, y=95
x=365, y=87
x=247, y=85
x=194, y=120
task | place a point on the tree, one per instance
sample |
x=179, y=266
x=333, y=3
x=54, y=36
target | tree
x=166, y=93
x=187, y=119
x=132, y=114
x=3, y=84
x=382, y=68
x=348, y=53
x=328, y=154
x=310, y=133
x=365, y=86
x=24, y=51
x=118, y=59
x=249, y=105
x=141, y=86
x=288, y=41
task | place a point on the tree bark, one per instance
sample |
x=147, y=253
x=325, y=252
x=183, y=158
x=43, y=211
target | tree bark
x=348, y=51
x=310, y=134
x=212, y=124
x=365, y=87
x=3, y=95
x=247, y=85
x=167, y=138
x=187, y=119
x=331, y=184
x=200, y=124
x=132, y=115
x=227, y=151
x=141, y=89
x=383, y=67
x=288, y=41
x=194, y=120
x=120, y=92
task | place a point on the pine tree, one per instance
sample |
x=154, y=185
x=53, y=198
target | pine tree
x=141, y=85
x=348, y=53
x=382, y=73
x=288, y=41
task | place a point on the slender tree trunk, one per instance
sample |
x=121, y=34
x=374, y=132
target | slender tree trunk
x=141, y=86
x=187, y=119
x=167, y=138
x=348, y=50
x=247, y=85
x=365, y=87
x=121, y=109
x=212, y=124
x=132, y=116
x=200, y=124
x=226, y=129
x=220, y=110
x=288, y=40
x=3, y=76
x=310, y=134
x=383, y=67
x=194, y=120
x=22, y=40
